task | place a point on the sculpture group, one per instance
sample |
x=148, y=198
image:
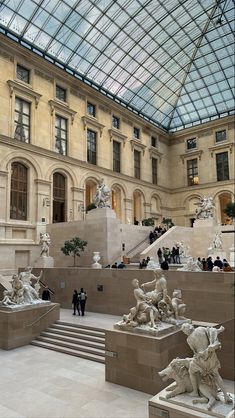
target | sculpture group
x=206, y=208
x=154, y=306
x=22, y=291
x=198, y=375
x=102, y=196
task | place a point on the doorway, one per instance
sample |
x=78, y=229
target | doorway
x=58, y=198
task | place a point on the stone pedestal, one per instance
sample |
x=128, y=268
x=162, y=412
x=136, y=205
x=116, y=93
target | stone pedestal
x=181, y=406
x=134, y=360
x=20, y=326
x=44, y=262
x=232, y=256
x=202, y=223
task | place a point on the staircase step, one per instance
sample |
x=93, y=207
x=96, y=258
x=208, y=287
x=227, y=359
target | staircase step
x=73, y=339
x=81, y=330
x=80, y=326
x=69, y=351
x=74, y=346
x=75, y=334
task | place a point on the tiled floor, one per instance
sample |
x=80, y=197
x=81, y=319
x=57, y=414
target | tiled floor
x=39, y=383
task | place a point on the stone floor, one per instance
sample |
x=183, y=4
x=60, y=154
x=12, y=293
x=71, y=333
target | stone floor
x=39, y=383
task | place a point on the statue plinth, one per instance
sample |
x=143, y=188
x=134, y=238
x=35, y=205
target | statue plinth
x=202, y=223
x=101, y=213
x=181, y=406
x=232, y=256
x=215, y=252
x=46, y=262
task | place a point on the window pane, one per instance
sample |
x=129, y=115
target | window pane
x=60, y=93
x=154, y=170
x=91, y=147
x=91, y=109
x=22, y=73
x=18, y=203
x=136, y=133
x=220, y=136
x=153, y=142
x=191, y=143
x=22, y=120
x=137, y=164
x=192, y=172
x=61, y=135
x=116, y=156
x=116, y=122
x=222, y=166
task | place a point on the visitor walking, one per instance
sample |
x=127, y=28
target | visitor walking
x=82, y=296
x=75, y=302
x=46, y=294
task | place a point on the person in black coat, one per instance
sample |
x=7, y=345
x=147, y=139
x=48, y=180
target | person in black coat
x=218, y=262
x=164, y=265
x=75, y=302
x=46, y=294
x=210, y=264
x=82, y=296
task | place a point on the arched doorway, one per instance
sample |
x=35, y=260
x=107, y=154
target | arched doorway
x=224, y=199
x=90, y=190
x=117, y=202
x=59, y=197
x=137, y=207
x=155, y=209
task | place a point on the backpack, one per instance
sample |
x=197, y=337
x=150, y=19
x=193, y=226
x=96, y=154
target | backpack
x=82, y=296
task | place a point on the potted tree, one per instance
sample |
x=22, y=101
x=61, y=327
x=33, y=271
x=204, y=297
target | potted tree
x=74, y=247
x=229, y=210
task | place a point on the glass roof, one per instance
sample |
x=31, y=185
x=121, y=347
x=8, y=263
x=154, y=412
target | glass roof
x=171, y=62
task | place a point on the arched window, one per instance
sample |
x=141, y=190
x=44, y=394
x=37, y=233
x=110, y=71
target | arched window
x=18, y=205
x=59, y=197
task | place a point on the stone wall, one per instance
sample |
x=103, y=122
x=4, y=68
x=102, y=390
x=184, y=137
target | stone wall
x=209, y=296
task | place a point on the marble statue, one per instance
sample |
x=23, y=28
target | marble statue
x=206, y=208
x=102, y=196
x=198, y=375
x=191, y=265
x=217, y=242
x=183, y=249
x=22, y=292
x=45, y=242
x=154, y=307
x=153, y=264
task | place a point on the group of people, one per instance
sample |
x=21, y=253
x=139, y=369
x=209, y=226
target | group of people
x=170, y=256
x=207, y=264
x=79, y=301
x=156, y=233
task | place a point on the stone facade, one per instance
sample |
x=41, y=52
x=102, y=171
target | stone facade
x=131, y=197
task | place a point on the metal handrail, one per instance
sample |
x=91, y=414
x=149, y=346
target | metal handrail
x=40, y=317
x=138, y=245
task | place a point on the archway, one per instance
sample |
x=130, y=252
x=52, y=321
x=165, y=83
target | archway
x=90, y=189
x=137, y=207
x=224, y=199
x=117, y=201
x=59, y=197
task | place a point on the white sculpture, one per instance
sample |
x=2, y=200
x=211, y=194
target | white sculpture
x=96, y=258
x=45, y=242
x=154, y=306
x=191, y=265
x=206, y=208
x=153, y=264
x=22, y=291
x=199, y=374
x=102, y=196
x=217, y=242
x=183, y=249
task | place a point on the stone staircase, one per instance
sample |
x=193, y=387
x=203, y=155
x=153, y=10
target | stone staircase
x=74, y=339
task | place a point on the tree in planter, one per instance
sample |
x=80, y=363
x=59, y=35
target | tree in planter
x=74, y=247
x=168, y=222
x=148, y=222
x=229, y=210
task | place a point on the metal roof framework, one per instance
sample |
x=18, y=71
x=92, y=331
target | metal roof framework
x=169, y=61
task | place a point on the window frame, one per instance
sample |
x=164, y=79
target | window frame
x=223, y=139
x=116, y=118
x=64, y=140
x=59, y=87
x=192, y=148
x=92, y=155
x=18, y=194
x=27, y=70
x=223, y=173
x=155, y=141
x=22, y=115
x=137, y=169
x=94, y=107
x=116, y=161
x=136, y=132
x=154, y=171
x=190, y=179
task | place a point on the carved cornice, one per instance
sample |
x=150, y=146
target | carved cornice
x=154, y=152
x=15, y=86
x=189, y=154
x=136, y=144
x=221, y=147
x=116, y=135
x=62, y=107
x=90, y=121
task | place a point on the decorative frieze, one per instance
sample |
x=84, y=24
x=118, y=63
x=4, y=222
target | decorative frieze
x=221, y=147
x=77, y=94
x=197, y=153
x=7, y=56
x=127, y=121
x=63, y=108
x=89, y=121
x=105, y=109
x=208, y=132
x=44, y=76
x=15, y=86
